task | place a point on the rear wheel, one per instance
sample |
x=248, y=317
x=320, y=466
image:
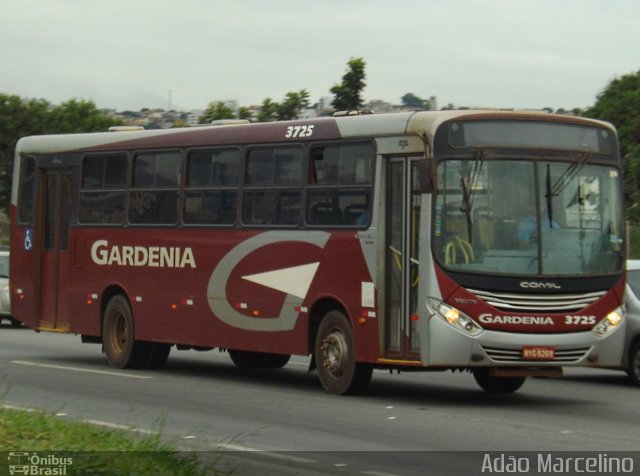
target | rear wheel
x=335, y=357
x=157, y=355
x=118, y=340
x=492, y=384
x=633, y=368
x=258, y=360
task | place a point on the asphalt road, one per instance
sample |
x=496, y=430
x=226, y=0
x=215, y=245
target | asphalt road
x=282, y=422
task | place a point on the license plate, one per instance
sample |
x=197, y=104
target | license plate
x=530, y=352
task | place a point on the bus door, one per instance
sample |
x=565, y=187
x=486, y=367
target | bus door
x=403, y=216
x=52, y=242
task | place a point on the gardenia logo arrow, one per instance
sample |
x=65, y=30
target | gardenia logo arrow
x=295, y=281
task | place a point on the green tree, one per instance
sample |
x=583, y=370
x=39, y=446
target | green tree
x=268, y=111
x=24, y=117
x=413, y=101
x=78, y=116
x=348, y=94
x=215, y=111
x=18, y=118
x=295, y=102
x=619, y=103
x=245, y=113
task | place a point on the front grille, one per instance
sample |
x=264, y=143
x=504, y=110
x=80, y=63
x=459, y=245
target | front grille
x=548, y=303
x=498, y=354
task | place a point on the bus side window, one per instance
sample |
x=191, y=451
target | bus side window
x=154, y=190
x=340, y=185
x=211, y=193
x=27, y=190
x=102, y=191
x=273, y=186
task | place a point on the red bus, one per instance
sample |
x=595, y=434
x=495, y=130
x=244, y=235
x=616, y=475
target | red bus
x=486, y=241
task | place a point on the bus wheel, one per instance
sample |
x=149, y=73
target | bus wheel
x=272, y=361
x=335, y=357
x=157, y=355
x=118, y=342
x=633, y=369
x=258, y=360
x=492, y=384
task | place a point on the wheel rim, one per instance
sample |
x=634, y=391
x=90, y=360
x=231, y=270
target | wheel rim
x=334, y=351
x=120, y=334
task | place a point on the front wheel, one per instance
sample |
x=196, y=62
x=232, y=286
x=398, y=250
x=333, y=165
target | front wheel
x=492, y=384
x=335, y=357
x=633, y=367
x=118, y=340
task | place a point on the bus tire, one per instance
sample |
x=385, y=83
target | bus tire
x=334, y=355
x=492, y=384
x=157, y=355
x=633, y=367
x=245, y=359
x=118, y=339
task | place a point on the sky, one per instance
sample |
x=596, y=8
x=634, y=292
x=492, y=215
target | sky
x=184, y=54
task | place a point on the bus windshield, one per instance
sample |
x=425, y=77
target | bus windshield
x=528, y=218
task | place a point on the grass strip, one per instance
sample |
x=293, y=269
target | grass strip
x=93, y=450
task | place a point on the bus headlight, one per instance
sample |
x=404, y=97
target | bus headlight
x=454, y=317
x=610, y=322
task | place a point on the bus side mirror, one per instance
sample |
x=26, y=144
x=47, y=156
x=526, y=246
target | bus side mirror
x=426, y=176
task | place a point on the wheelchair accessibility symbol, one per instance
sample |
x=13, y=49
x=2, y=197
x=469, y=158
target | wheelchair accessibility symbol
x=28, y=240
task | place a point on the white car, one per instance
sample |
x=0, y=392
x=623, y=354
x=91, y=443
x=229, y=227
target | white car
x=631, y=359
x=5, y=301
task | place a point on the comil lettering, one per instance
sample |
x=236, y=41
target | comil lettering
x=537, y=285
x=151, y=256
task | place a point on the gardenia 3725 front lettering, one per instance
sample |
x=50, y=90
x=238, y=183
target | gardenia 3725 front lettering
x=152, y=256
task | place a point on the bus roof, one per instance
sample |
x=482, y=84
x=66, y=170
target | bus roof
x=422, y=123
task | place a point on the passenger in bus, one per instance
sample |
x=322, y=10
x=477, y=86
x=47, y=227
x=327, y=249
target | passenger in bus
x=528, y=227
x=363, y=219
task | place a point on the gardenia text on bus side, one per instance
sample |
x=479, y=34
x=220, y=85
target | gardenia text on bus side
x=152, y=256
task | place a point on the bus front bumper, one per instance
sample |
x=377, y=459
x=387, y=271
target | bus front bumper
x=442, y=345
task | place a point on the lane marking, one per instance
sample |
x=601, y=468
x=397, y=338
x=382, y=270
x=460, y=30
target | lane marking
x=115, y=426
x=106, y=424
x=17, y=408
x=78, y=369
x=299, y=364
x=378, y=473
x=270, y=454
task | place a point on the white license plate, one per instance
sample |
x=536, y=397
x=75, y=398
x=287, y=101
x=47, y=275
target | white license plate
x=531, y=352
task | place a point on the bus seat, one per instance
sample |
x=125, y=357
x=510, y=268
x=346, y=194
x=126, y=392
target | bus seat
x=354, y=211
x=484, y=226
x=325, y=213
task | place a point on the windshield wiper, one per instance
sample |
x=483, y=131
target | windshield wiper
x=570, y=172
x=548, y=194
x=468, y=185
